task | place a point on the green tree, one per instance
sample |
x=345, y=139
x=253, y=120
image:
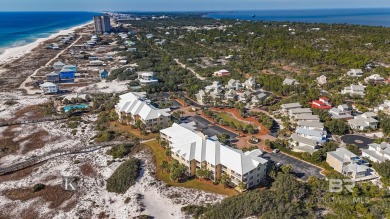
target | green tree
x=168, y=152
x=225, y=180
x=354, y=149
x=164, y=165
x=337, y=127
x=287, y=168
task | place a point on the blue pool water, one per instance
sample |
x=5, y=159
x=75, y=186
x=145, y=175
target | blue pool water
x=78, y=106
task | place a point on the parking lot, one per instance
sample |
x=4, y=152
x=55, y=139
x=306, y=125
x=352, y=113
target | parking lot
x=209, y=128
x=359, y=140
x=301, y=169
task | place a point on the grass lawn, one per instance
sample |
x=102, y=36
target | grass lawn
x=117, y=126
x=159, y=156
x=229, y=118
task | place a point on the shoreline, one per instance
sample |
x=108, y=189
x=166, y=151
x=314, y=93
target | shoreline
x=15, y=53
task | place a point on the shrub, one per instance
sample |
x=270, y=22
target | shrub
x=127, y=200
x=106, y=136
x=119, y=151
x=38, y=187
x=124, y=176
x=10, y=102
x=193, y=210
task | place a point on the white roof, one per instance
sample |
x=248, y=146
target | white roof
x=307, y=117
x=59, y=63
x=146, y=73
x=310, y=132
x=300, y=110
x=136, y=104
x=307, y=141
x=313, y=124
x=291, y=105
x=342, y=154
x=353, y=167
x=189, y=144
x=48, y=84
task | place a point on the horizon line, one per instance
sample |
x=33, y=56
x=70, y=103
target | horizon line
x=196, y=11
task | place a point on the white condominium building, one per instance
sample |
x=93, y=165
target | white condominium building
x=133, y=107
x=195, y=150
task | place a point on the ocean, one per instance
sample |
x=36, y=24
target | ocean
x=21, y=28
x=370, y=17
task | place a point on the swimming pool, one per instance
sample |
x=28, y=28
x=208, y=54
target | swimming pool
x=78, y=106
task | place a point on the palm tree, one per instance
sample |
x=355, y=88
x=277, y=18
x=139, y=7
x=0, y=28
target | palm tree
x=168, y=152
x=164, y=165
x=158, y=138
x=225, y=179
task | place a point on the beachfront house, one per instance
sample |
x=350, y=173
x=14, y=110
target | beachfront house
x=355, y=73
x=298, y=111
x=67, y=76
x=290, y=82
x=234, y=84
x=230, y=95
x=377, y=152
x=321, y=80
x=307, y=117
x=244, y=97
x=341, y=112
x=72, y=68
x=196, y=150
x=288, y=106
x=53, y=77
x=146, y=77
x=49, y=88
x=308, y=136
x=354, y=90
x=375, y=78
x=221, y=73
x=250, y=84
x=348, y=163
x=364, y=121
x=133, y=107
x=58, y=65
x=384, y=107
x=213, y=86
x=322, y=103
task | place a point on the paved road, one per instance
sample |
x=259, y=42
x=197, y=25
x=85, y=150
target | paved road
x=359, y=140
x=209, y=128
x=301, y=169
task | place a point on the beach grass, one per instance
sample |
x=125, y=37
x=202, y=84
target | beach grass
x=205, y=185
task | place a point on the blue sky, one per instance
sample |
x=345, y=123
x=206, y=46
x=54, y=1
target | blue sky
x=182, y=5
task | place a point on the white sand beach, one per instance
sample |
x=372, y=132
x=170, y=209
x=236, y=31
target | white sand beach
x=17, y=52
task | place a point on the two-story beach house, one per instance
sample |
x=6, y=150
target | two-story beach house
x=377, y=152
x=348, y=164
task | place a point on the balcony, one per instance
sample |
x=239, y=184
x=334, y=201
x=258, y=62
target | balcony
x=237, y=175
